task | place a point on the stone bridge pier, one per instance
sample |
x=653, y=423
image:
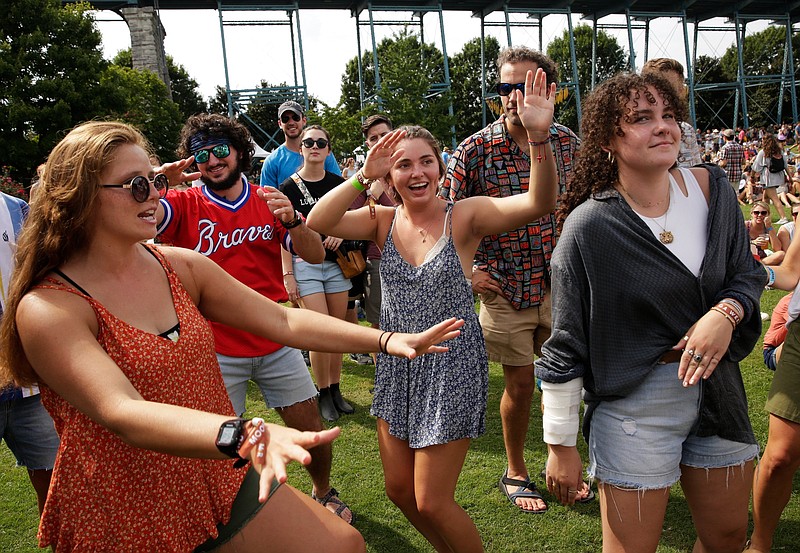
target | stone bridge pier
x=147, y=41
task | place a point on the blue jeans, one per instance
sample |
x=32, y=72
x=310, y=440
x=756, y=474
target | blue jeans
x=29, y=433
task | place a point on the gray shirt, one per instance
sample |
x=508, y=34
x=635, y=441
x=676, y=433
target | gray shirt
x=621, y=299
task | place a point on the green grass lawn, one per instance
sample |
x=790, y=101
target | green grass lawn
x=357, y=475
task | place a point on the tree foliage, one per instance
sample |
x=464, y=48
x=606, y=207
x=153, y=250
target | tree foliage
x=465, y=78
x=763, y=54
x=184, y=87
x=145, y=104
x=411, y=76
x=610, y=59
x=50, y=78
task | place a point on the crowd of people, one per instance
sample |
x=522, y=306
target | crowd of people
x=613, y=268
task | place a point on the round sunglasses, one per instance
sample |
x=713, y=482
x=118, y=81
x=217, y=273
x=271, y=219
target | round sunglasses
x=140, y=186
x=220, y=151
x=320, y=142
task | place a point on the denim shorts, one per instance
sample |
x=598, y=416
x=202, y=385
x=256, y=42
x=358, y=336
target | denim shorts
x=282, y=376
x=769, y=357
x=29, y=433
x=319, y=278
x=641, y=441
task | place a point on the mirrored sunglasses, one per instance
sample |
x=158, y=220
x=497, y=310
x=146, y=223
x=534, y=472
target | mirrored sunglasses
x=220, y=151
x=286, y=117
x=320, y=142
x=504, y=89
x=140, y=186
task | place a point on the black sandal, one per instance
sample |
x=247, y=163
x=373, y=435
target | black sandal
x=525, y=489
x=332, y=497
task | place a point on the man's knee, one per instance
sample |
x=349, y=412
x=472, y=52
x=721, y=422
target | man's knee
x=303, y=415
x=519, y=381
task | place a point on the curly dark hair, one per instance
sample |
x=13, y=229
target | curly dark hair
x=216, y=125
x=606, y=106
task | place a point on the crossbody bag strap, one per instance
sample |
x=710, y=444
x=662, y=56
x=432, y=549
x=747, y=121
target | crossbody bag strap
x=303, y=190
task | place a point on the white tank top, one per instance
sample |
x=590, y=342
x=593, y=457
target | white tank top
x=687, y=219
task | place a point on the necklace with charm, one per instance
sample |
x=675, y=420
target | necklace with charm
x=665, y=236
x=423, y=231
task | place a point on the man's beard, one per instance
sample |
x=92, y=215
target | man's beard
x=225, y=184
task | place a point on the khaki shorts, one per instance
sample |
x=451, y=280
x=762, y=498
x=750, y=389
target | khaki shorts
x=784, y=394
x=512, y=336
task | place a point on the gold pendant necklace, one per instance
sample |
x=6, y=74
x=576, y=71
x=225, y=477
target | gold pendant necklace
x=423, y=232
x=665, y=236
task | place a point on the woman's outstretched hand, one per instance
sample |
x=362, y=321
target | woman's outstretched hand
x=382, y=155
x=413, y=345
x=270, y=447
x=536, y=108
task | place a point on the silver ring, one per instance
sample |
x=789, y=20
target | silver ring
x=690, y=351
x=698, y=357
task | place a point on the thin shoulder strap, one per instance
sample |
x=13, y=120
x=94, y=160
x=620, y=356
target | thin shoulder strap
x=447, y=229
x=75, y=284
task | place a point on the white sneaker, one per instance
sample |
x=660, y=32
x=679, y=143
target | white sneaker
x=782, y=221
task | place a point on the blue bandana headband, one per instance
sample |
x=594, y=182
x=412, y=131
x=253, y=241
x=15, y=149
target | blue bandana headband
x=201, y=140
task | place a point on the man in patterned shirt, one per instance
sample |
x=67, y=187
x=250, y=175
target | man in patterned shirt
x=512, y=270
x=731, y=158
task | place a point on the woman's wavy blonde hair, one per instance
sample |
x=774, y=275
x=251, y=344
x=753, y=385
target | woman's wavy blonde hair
x=59, y=223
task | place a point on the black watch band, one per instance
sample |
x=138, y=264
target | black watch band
x=230, y=437
x=297, y=221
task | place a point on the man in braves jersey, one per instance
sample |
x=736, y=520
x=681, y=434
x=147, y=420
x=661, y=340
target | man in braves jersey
x=242, y=228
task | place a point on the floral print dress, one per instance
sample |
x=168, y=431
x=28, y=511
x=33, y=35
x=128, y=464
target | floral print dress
x=441, y=397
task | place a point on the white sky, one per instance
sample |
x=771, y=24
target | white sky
x=329, y=41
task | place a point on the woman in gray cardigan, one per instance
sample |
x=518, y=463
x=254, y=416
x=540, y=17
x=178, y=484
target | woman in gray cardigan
x=655, y=301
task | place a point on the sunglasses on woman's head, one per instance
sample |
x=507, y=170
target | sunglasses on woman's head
x=320, y=142
x=140, y=186
x=220, y=151
x=504, y=89
x=286, y=117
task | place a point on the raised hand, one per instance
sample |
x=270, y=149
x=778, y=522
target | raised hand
x=382, y=155
x=175, y=171
x=536, y=108
x=280, y=205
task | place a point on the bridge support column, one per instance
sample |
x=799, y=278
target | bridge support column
x=147, y=41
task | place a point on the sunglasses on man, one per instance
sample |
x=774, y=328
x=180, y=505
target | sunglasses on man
x=220, y=151
x=504, y=89
x=320, y=142
x=286, y=117
x=140, y=186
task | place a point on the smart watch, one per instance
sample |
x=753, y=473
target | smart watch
x=230, y=438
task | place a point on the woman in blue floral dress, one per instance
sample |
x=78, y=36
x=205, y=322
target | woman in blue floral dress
x=428, y=409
